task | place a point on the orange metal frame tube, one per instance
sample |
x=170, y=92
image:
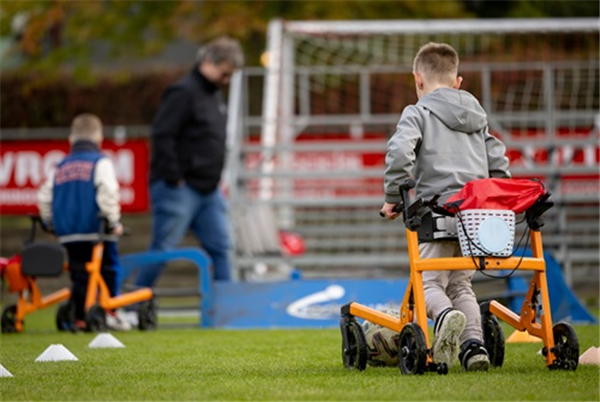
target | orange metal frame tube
x=36, y=301
x=98, y=292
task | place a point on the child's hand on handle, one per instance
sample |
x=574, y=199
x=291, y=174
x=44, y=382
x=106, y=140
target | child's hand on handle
x=117, y=229
x=389, y=211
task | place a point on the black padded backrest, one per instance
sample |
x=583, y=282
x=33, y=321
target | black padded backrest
x=43, y=259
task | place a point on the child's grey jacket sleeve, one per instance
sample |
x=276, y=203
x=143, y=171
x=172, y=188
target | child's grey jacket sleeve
x=401, y=153
x=497, y=159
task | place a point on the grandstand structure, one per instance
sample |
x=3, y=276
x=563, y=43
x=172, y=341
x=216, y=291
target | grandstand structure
x=309, y=133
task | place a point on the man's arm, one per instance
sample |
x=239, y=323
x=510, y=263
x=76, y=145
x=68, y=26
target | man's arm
x=174, y=112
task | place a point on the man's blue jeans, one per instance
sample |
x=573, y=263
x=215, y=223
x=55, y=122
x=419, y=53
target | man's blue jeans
x=177, y=209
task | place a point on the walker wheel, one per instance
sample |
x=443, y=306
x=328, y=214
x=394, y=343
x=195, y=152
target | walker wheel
x=566, y=347
x=147, y=315
x=95, y=319
x=9, y=319
x=354, y=344
x=493, y=337
x=440, y=368
x=412, y=350
x=65, y=317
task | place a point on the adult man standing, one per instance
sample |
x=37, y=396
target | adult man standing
x=188, y=156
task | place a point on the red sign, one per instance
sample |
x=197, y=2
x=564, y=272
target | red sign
x=24, y=165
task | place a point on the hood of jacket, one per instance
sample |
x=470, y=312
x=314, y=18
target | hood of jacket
x=457, y=109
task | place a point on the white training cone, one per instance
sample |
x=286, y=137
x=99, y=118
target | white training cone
x=105, y=340
x=4, y=372
x=55, y=353
x=522, y=336
x=591, y=356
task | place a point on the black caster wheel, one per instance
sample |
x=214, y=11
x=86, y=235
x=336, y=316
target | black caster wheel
x=442, y=369
x=147, y=315
x=566, y=347
x=354, y=344
x=95, y=319
x=412, y=350
x=493, y=337
x=65, y=317
x=9, y=319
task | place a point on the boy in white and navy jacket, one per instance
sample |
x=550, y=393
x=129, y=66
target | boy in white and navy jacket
x=82, y=188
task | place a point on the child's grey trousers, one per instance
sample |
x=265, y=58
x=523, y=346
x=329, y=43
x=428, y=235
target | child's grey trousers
x=451, y=289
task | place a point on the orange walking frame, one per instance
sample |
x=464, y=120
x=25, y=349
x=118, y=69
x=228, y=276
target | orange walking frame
x=98, y=299
x=48, y=259
x=20, y=273
x=561, y=346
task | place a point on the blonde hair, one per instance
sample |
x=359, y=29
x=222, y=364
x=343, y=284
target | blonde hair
x=437, y=62
x=86, y=127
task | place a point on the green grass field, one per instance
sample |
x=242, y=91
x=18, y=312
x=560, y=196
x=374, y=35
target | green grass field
x=192, y=364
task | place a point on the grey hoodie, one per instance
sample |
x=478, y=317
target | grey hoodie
x=442, y=142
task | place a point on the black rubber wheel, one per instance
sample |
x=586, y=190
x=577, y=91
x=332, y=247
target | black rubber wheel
x=566, y=347
x=95, y=319
x=412, y=350
x=9, y=319
x=354, y=345
x=147, y=315
x=493, y=337
x=65, y=317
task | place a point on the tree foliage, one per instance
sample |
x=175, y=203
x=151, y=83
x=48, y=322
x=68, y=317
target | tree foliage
x=76, y=34
x=50, y=35
x=61, y=49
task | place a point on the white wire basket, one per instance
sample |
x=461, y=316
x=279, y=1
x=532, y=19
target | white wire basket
x=486, y=232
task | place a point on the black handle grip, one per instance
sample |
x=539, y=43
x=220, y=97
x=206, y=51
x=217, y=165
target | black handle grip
x=408, y=184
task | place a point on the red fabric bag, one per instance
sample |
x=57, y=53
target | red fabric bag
x=509, y=194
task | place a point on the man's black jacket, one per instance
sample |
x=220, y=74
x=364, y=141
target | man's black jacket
x=189, y=134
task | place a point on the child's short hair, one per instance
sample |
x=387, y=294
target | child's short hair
x=437, y=62
x=86, y=127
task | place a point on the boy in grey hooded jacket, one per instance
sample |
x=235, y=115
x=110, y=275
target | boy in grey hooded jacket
x=443, y=142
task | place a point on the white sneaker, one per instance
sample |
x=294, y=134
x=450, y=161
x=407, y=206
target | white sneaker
x=473, y=356
x=129, y=316
x=446, y=344
x=115, y=322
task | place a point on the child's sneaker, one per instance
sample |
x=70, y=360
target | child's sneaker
x=79, y=326
x=473, y=356
x=447, y=330
x=129, y=316
x=115, y=322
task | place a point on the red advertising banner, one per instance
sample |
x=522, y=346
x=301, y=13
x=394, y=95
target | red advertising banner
x=24, y=165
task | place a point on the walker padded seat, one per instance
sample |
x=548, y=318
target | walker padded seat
x=43, y=259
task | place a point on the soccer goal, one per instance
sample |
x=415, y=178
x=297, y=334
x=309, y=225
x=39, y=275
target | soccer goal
x=334, y=91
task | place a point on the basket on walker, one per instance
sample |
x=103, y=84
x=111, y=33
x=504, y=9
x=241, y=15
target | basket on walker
x=486, y=232
x=485, y=210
